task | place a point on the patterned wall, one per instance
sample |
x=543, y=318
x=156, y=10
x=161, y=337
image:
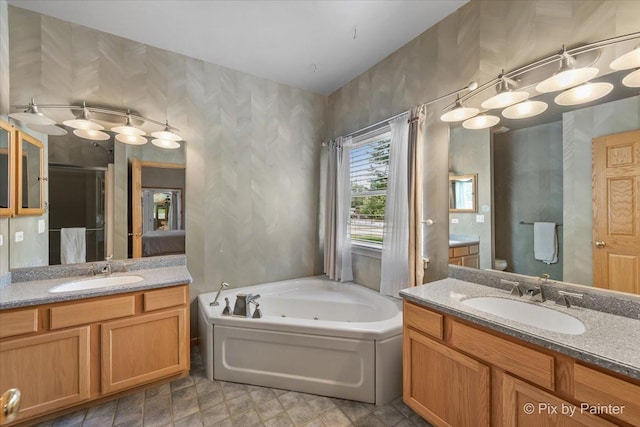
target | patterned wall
x=253, y=145
x=474, y=43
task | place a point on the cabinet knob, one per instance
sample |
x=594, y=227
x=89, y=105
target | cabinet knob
x=10, y=403
x=600, y=244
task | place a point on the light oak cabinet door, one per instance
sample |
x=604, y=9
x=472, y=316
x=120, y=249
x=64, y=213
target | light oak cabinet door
x=142, y=349
x=524, y=405
x=444, y=386
x=51, y=370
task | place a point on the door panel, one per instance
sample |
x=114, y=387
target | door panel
x=616, y=212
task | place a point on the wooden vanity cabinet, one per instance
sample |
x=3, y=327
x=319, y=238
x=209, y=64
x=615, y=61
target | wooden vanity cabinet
x=68, y=353
x=459, y=374
x=466, y=256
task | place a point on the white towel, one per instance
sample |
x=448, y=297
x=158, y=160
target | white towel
x=545, y=242
x=73, y=247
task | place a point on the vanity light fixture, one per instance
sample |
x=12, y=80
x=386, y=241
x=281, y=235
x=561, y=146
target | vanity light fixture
x=632, y=79
x=567, y=76
x=166, y=134
x=459, y=112
x=128, y=129
x=525, y=109
x=166, y=143
x=584, y=93
x=482, y=121
x=48, y=129
x=91, y=134
x=131, y=139
x=505, y=96
x=627, y=61
x=31, y=115
x=84, y=122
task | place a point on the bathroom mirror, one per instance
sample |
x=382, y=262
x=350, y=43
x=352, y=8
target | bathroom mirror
x=462, y=193
x=30, y=170
x=7, y=133
x=539, y=170
x=89, y=186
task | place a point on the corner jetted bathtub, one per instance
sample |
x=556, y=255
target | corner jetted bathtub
x=315, y=336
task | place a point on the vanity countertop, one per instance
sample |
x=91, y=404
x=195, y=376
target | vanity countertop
x=609, y=341
x=22, y=294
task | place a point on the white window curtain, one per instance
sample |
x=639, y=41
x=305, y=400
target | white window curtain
x=395, y=246
x=337, y=242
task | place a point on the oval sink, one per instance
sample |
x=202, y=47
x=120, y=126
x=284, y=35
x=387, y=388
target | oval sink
x=527, y=313
x=95, y=283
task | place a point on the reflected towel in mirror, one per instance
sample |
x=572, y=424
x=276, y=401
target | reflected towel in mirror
x=545, y=242
x=73, y=247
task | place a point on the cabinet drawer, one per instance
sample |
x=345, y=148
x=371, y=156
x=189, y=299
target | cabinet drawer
x=91, y=311
x=461, y=251
x=450, y=252
x=425, y=321
x=474, y=249
x=18, y=322
x=596, y=388
x=522, y=361
x=163, y=298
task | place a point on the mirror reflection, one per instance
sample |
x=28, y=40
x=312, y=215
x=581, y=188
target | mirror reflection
x=556, y=196
x=462, y=193
x=5, y=134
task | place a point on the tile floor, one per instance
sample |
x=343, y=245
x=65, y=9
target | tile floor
x=196, y=401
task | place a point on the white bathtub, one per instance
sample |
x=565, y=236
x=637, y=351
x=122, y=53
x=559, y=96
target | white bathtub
x=315, y=336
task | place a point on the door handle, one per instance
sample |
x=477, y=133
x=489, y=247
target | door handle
x=9, y=405
x=600, y=244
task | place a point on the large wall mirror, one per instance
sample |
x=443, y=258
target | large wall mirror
x=89, y=191
x=539, y=182
x=7, y=147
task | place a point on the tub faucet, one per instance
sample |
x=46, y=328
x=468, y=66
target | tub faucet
x=242, y=307
x=222, y=286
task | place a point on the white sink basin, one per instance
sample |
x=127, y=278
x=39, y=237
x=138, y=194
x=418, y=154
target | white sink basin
x=527, y=313
x=95, y=283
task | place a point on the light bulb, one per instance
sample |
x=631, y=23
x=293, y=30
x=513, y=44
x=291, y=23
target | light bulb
x=584, y=93
x=165, y=143
x=482, y=121
x=131, y=139
x=92, y=134
x=525, y=109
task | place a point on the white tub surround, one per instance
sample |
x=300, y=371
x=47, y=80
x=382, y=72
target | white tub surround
x=315, y=336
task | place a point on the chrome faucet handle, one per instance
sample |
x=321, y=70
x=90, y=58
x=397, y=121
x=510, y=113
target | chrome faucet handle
x=253, y=298
x=227, y=308
x=91, y=271
x=222, y=286
x=515, y=287
x=257, y=313
x=125, y=265
x=564, y=298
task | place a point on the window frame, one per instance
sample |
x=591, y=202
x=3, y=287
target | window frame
x=362, y=247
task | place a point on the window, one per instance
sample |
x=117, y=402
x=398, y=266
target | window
x=369, y=170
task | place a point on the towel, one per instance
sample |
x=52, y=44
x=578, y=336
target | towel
x=73, y=247
x=545, y=242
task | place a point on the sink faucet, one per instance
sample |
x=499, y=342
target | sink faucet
x=108, y=268
x=564, y=298
x=535, y=291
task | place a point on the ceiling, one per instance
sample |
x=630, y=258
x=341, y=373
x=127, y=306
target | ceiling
x=316, y=45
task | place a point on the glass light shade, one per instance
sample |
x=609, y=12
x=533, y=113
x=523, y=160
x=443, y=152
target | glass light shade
x=525, y=109
x=131, y=139
x=584, y=93
x=632, y=80
x=128, y=130
x=32, y=118
x=504, y=99
x=459, y=113
x=482, y=121
x=92, y=134
x=82, y=124
x=627, y=61
x=48, y=129
x=566, y=79
x=166, y=135
x=165, y=143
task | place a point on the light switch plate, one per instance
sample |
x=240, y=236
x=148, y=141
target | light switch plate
x=454, y=220
x=1, y=240
x=479, y=218
x=19, y=236
x=41, y=226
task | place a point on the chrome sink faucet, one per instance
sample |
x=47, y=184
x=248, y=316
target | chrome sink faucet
x=108, y=268
x=534, y=292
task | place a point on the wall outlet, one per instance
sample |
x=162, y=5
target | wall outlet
x=40, y=226
x=1, y=240
x=454, y=220
x=479, y=218
x=19, y=236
